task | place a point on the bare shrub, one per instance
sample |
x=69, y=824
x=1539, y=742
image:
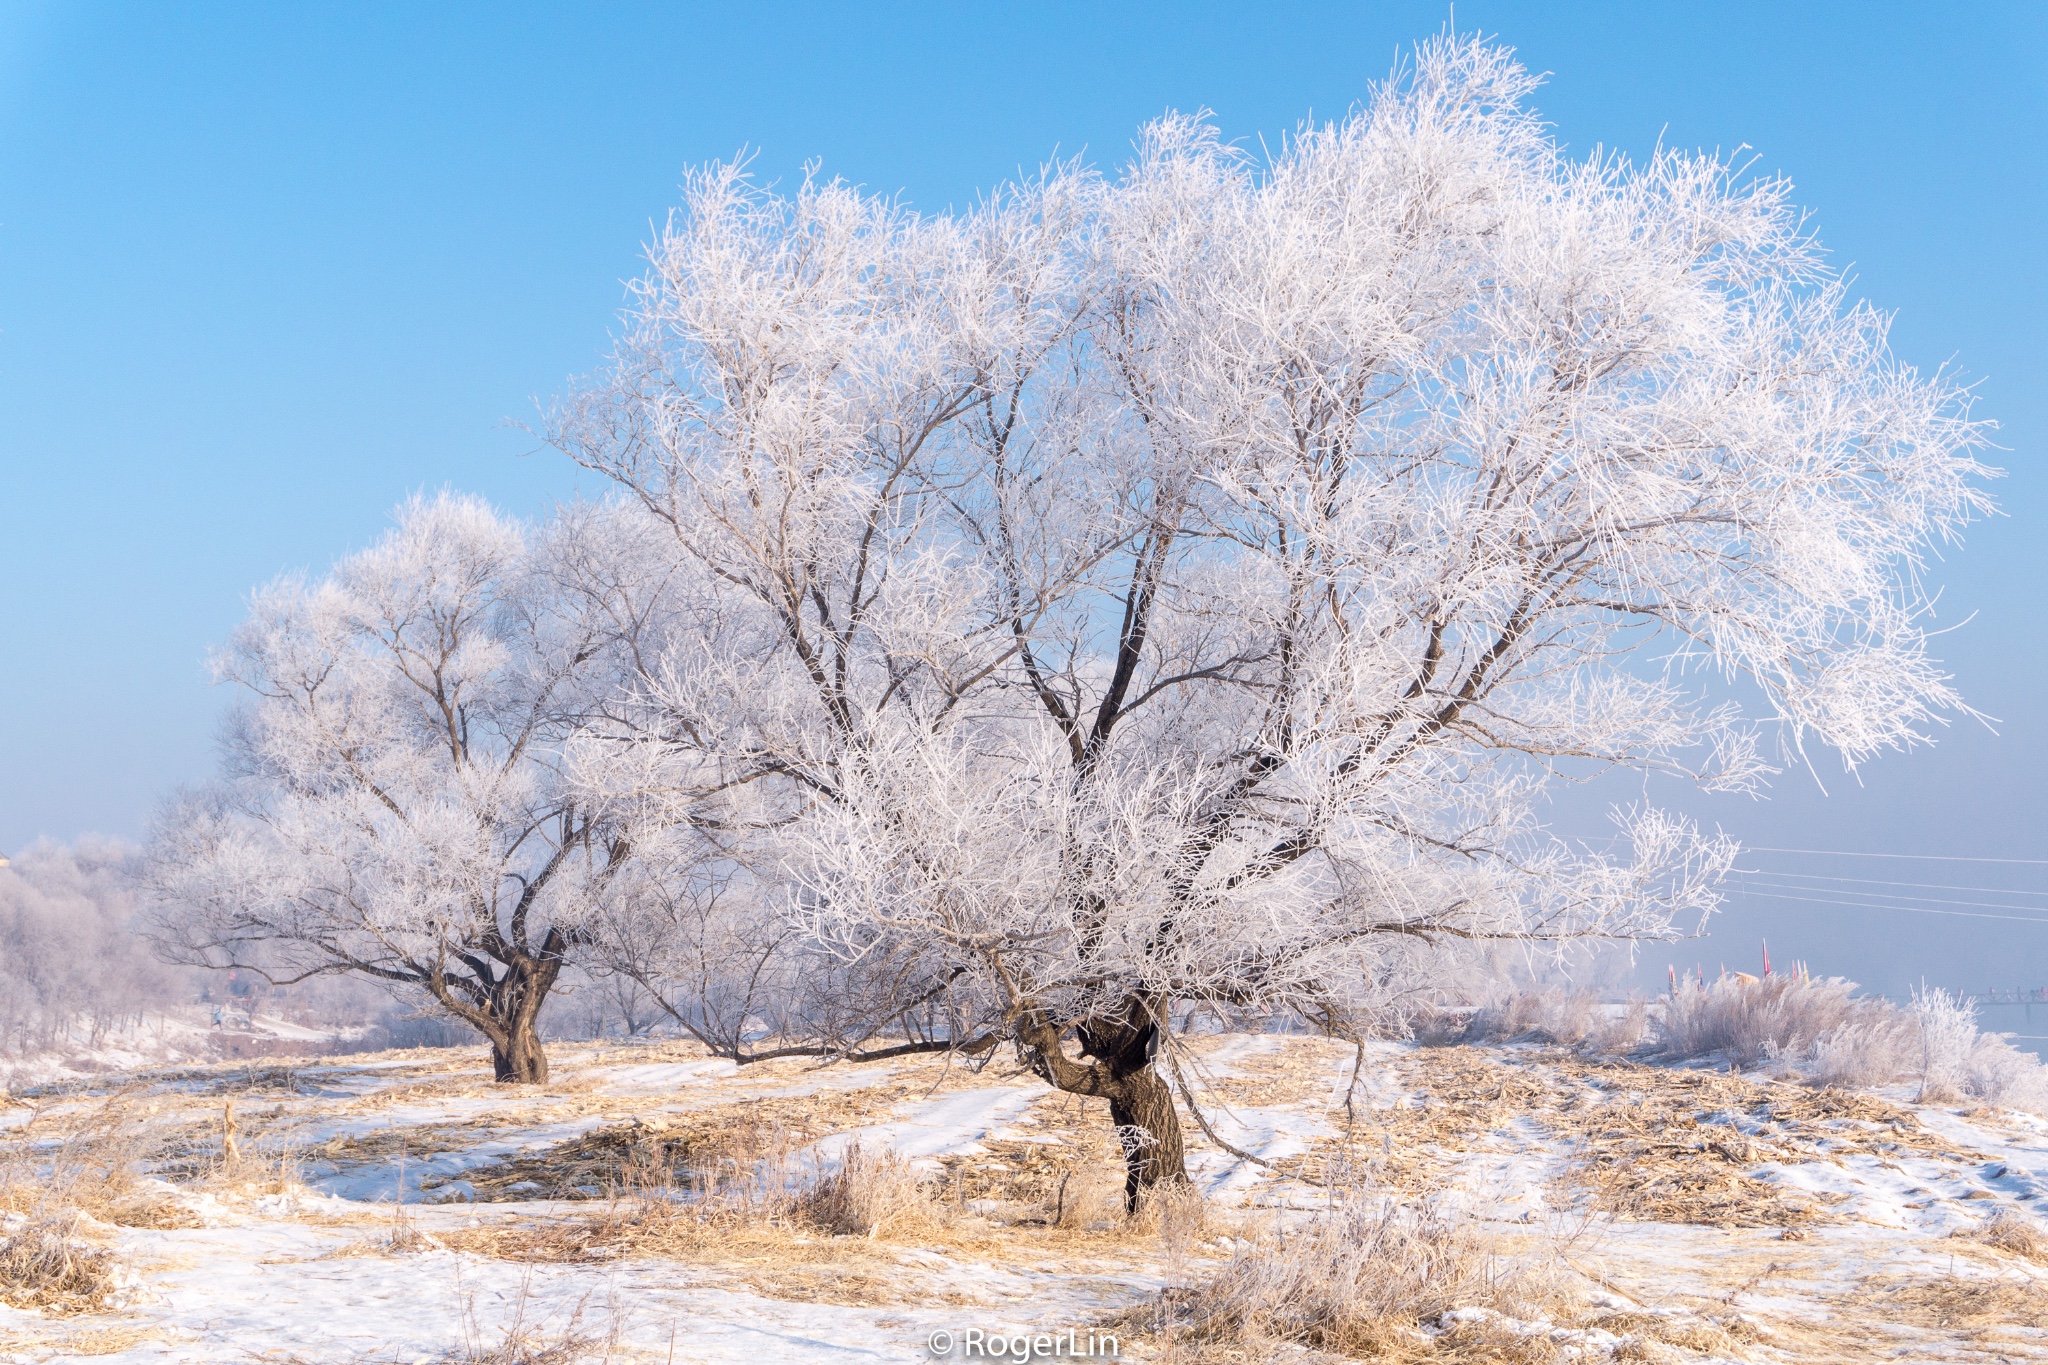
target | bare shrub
x=2000, y=1074
x=872, y=1190
x=1361, y=1279
x=1754, y=1019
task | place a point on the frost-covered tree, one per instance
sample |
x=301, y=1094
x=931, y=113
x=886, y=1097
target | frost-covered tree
x=393, y=805
x=1182, y=587
x=71, y=967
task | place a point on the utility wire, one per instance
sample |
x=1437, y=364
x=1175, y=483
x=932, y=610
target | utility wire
x=1887, y=896
x=1917, y=857
x=1877, y=881
x=1866, y=905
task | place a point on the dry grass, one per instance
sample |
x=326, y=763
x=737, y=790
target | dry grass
x=1568, y=1018
x=731, y=1196
x=2012, y=1232
x=2002, y=1075
x=46, y=1264
x=872, y=1189
x=1363, y=1280
x=75, y=1343
x=50, y=1200
x=91, y=1168
x=1649, y=1143
x=706, y=1145
x=1875, y=1047
x=1954, y=1302
x=755, y=1212
x=1671, y=1147
x=584, y=1333
x=1821, y=1029
x=1754, y=1020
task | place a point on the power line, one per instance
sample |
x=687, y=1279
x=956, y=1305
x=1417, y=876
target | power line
x=1917, y=857
x=1878, y=881
x=1922, y=900
x=1866, y=905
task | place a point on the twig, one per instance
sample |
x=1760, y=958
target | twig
x=1188, y=1098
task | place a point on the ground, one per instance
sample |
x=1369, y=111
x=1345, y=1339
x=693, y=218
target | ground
x=400, y=1207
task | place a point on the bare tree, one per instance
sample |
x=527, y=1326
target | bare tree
x=1182, y=588
x=393, y=804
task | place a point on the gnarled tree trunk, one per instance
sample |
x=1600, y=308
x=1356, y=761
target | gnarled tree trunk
x=518, y=1058
x=507, y=1009
x=1122, y=1050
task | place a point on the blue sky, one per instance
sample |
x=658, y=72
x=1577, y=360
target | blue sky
x=264, y=269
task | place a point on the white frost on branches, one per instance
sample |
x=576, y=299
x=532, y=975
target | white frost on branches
x=394, y=804
x=1185, y=584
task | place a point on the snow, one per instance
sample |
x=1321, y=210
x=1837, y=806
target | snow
x=943, y=1127
x=310, y=1276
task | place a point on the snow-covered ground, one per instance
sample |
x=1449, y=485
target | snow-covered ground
x=160, y=1037
x=1701, y=1216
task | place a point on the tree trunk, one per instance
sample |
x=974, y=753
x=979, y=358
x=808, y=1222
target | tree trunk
x=520, y=1059
x=1140, y=1101
x=1148, y=1129
x=507, y=1011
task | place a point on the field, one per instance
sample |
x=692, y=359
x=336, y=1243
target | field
x=653, y=1204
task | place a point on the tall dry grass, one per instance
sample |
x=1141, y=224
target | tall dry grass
x=1363, y=1278
x=873, y=1190
x=55, y=1202
x=585, y=1332
x=1754, y=1021
x=2000, y=1074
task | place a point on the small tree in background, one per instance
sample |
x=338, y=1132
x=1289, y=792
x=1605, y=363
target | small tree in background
x=392, y=804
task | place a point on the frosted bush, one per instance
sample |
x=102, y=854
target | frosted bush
x=2000, y=1074
x=1754, y=1020
x=1822, y=1030
x=1574, y=1018
x=1948, y=1032
x=1878, y=1046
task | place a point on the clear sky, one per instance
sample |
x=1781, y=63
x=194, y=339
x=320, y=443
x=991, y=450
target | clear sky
x=265, y=269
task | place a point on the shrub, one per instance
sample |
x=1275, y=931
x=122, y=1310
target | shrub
x=1948, y=1033
x=1361, y=1279
x=1822, y=1030
x=1878, y=1045
x=1753, y=1020
x=2000, y=1074
x=1575, y=1018
x=45, y=1264
x=872, y=1190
